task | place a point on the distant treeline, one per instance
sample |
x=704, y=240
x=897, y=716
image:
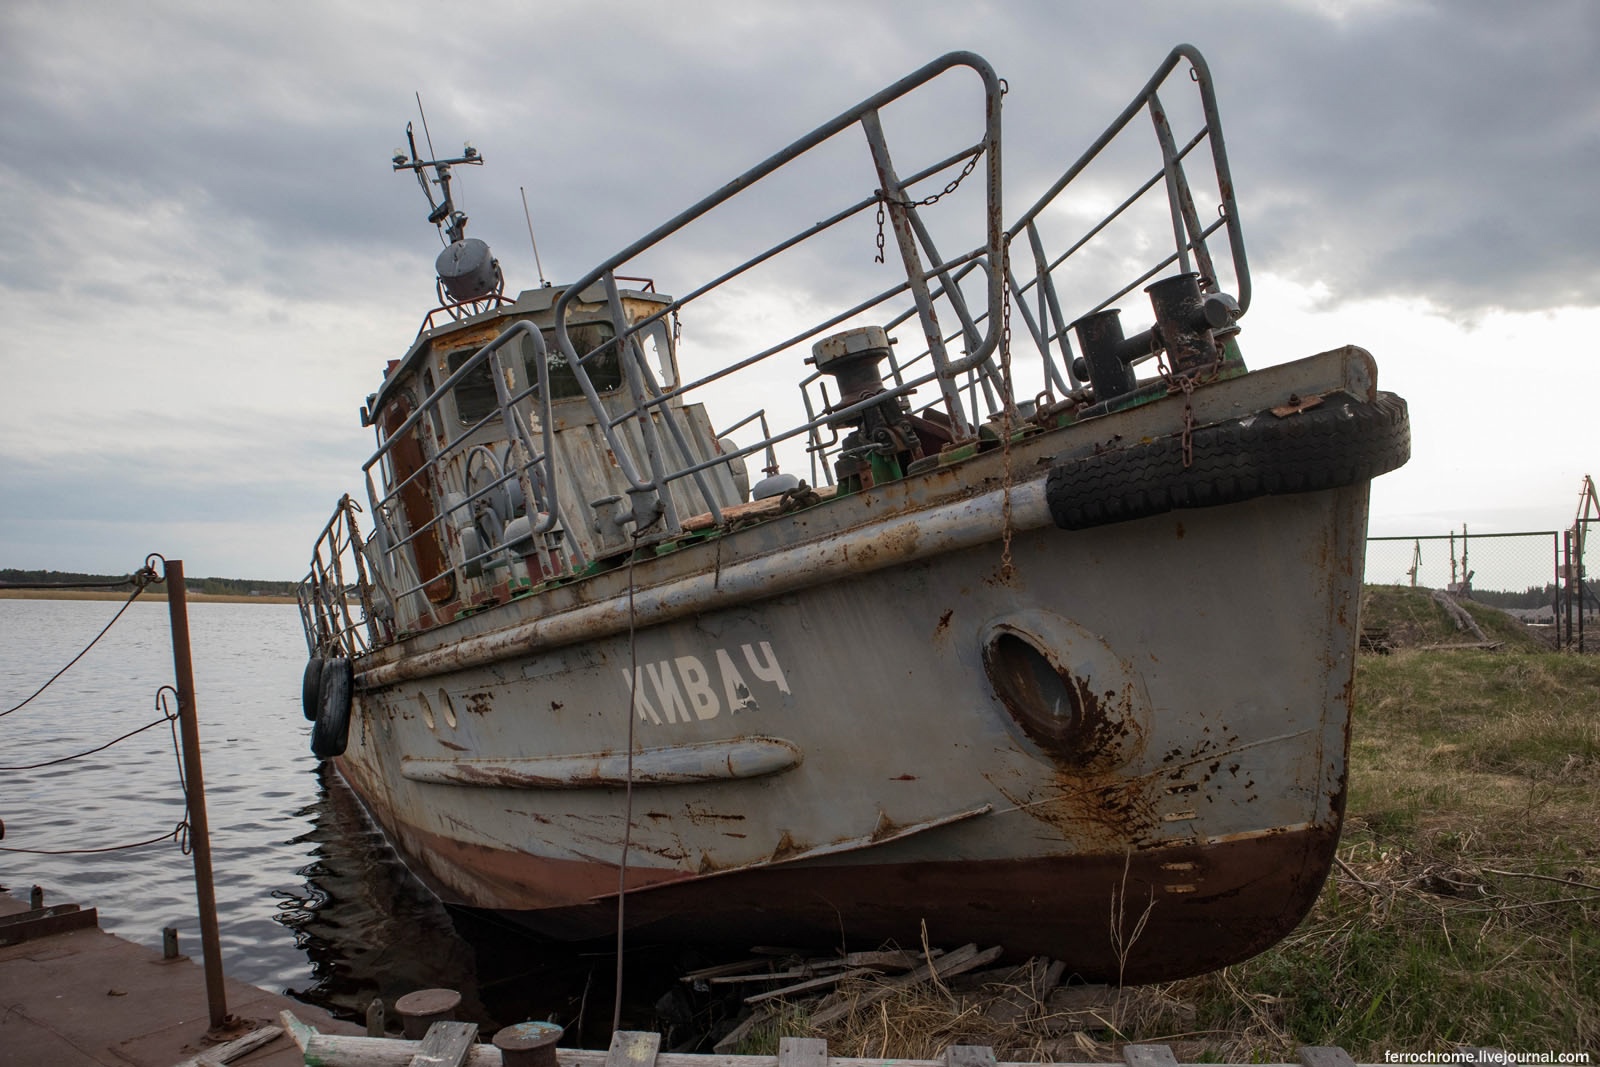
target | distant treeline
x=1534, y=596
x=215, y=586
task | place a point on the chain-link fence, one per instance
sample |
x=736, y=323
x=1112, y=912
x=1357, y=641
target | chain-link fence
x=1539, y=576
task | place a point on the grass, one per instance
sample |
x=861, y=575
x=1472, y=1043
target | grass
x=1412, y=618
x=1464, y=908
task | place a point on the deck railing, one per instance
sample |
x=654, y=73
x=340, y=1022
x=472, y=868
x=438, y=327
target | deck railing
x=954, y=314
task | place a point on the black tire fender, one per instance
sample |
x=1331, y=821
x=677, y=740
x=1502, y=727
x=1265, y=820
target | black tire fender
x=311, y=688
x=331, y=731
x=1341, y=442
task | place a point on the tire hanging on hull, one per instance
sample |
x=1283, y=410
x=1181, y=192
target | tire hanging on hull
x=331, y=731
x=311, y=688
x=1340, y=443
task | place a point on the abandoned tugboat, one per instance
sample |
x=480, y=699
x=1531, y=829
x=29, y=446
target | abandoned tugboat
x=1056, y=654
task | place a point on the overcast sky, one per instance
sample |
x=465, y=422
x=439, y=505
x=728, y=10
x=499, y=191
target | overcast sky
x=205, y=260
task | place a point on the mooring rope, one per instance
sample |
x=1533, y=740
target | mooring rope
x=627, y=807
x=179, y=833
x=139, y=579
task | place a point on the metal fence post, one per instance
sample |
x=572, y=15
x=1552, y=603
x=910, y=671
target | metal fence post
x=1566, y=579
x=194, y=787
x=1555, y=588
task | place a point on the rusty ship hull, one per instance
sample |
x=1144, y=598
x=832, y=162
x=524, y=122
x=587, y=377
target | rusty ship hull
x=1057, y=657
x=1217, y=644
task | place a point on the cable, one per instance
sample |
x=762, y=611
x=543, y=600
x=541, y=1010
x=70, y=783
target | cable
x=627, y=827
x=140, y=579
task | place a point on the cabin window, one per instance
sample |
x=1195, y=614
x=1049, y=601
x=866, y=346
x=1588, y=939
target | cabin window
x=474, y=394
x=605, y=369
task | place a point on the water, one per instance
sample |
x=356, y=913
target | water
x=311, y=901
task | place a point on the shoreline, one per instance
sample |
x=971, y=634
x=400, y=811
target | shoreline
x=117, y=594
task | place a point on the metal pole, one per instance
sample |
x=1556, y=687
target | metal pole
x=1555, y=590
x=194, y=785
x=1566, y=579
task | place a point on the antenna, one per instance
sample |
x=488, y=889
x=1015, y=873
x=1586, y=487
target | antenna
x=424, y=115
x=527, y=215
x=467, y=270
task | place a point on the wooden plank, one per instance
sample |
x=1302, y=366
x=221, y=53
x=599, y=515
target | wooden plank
x=732, y=1038
x=1325, y=1056
x=1052, y=978
x=802, y=1052
x=738, y=967
x=446, y=1044
x=332, y=1050
x=239, y=1046
x=965, y=958
x=900, y=959
x=45, y=922
x=633, y=1048
x=814, y=983
x=969, y=1056
x=1148, y=1056
x=298, y=1032
x=809, y=970
x=31, y=914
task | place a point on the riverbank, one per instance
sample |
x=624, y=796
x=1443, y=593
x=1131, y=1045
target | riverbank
x=117, y=594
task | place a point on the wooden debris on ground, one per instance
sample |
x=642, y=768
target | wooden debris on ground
x=641, y=1049
x=1458, y=614
x=232, y=1050
x=1022, y=1011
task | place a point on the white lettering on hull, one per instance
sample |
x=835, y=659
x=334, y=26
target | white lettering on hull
x=684, y=689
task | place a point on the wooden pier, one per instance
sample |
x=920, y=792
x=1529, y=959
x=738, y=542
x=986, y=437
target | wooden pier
x=72, y=995
x=641, y=1049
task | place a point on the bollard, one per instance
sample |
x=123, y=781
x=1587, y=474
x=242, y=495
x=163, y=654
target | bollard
x=36, y=898
x=169, y=942
x=422, y=1009
x=528, y=1044
x=375, y=1017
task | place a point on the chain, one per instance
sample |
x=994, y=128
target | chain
x=1187, y=384
x=927, y=201
x=879, y=257
x=1007, y=411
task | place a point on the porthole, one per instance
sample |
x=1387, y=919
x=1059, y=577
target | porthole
x=1069, y=693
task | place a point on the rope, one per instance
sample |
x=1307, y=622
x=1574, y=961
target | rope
x=627, y=827
x=179, y=833
x=139, y=579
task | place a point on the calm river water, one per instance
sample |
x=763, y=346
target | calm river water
x=311, y=900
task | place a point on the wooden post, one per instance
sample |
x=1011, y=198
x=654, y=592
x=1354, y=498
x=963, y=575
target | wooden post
x=194, y=784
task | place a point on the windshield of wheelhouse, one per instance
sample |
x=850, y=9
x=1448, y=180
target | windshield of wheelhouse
x=474, y=395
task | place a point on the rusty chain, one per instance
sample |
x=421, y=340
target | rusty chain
x=927, y=201
x=1007, y=410
x=1187, y=384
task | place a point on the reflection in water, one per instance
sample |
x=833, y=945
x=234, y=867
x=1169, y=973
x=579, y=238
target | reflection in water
x=370, y=929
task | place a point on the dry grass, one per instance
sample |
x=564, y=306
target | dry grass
x=1008, y=1010
x=1464, y=908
